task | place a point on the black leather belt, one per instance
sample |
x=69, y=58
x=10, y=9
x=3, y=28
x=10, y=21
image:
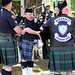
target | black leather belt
x=28, y=39
x=5, y=35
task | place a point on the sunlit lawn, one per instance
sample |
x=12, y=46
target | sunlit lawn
x=41, y=65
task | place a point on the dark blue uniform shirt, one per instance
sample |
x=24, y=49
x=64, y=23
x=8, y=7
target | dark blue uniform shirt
x=33, y=26
x=7, y=21
x=44, y=14
x=62, y=29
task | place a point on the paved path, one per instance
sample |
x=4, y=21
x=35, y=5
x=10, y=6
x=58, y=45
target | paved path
x=50, y=73
x=44, y=72
x=47, y=73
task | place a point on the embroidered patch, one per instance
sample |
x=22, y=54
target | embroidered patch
x=67, y=20
x=62, y=39
x=16, y=22
x=62, y=29
x=12, y=16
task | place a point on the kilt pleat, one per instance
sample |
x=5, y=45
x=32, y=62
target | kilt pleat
x=62, y=59
x=8, y=51
x=26, y=50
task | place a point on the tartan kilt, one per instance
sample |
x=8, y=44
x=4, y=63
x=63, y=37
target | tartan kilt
x=62, y=59
x=8, y=51
x=26, y=50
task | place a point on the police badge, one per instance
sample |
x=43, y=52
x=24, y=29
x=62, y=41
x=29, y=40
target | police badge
x=62, y=29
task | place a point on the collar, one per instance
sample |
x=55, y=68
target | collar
x=5, y=9
x=62, y=14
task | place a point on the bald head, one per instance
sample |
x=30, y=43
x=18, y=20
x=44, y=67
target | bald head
x=65, y=10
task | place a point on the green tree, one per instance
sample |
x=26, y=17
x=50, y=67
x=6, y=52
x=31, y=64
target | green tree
x=16, y=6
x=28, y=4
x=73, y=5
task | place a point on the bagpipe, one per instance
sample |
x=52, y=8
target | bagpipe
x=21, y=21
x=45, y=35
x=46, y=31
x=40, y=21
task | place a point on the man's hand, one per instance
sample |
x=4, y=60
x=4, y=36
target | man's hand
x=18, y=30
x=23, y=32
x=21, y=26
x=37, y=32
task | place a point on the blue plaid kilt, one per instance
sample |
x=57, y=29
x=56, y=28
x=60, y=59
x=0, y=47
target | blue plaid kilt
x=62, y=59
x=26, y=50
x=8, y=51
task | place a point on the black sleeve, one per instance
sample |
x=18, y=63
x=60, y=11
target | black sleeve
x=12, y=21
x=47, y=24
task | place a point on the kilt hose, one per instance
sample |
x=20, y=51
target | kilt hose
x=26, y=50
x=8, y=51
x=62, y=59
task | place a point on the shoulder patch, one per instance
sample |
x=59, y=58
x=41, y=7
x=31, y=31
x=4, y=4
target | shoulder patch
x=13, y=17
x=16, y=22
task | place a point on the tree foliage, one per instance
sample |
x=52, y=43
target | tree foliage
x=28, y=4
x=73, y=5
x=16, y=6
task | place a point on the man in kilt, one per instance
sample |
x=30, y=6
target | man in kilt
x=28, y=42
x=8, y=46
x=62, y=50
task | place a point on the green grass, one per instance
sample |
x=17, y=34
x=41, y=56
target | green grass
x=1, y=67
x=42, y=64
x=17, y=71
